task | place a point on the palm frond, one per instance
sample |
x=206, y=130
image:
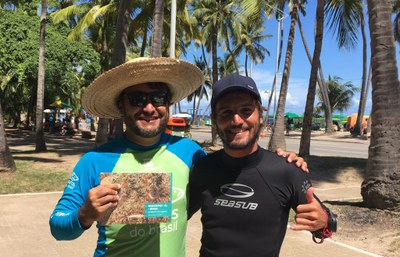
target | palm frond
x=343, y=19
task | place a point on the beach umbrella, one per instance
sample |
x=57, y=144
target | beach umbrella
x=61, y=104
x=291, y=115
x=340, y=117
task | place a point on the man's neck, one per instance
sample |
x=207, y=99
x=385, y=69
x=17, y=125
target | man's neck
x=240, y=153
x=143, y=141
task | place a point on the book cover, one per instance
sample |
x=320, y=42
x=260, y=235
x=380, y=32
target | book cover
x=143, y=198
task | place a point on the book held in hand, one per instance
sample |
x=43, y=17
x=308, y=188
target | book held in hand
x=143, y=198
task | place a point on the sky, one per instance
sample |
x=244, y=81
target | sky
x=346, y=64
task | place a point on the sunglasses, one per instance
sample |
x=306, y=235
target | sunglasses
x=140, y=99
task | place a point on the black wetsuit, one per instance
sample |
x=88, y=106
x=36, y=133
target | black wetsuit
x=244, y=213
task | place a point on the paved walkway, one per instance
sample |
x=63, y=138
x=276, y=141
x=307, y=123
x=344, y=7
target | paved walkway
x=25, y=232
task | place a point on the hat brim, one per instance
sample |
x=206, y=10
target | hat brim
x=182, y=78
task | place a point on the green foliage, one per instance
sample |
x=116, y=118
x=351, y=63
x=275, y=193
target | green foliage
x=343, y=18
x=69, y=65
x=340, y=94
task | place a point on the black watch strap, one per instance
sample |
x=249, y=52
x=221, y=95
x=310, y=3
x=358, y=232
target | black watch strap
x=319, y=235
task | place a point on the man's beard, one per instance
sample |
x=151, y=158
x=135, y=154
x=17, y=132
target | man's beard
x=139, y=131
x=232, y=145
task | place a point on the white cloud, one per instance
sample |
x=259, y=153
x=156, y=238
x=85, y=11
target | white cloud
x=297, y=91
x=295, y=98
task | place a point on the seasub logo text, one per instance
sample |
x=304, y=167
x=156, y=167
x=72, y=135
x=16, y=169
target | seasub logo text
x=236, y=190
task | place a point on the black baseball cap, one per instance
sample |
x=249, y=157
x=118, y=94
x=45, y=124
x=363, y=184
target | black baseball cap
x=234, y=82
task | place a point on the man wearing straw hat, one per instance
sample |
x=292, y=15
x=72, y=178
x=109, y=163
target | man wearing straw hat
x=139, y=91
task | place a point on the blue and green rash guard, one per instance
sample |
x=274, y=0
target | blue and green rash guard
x=171, y=154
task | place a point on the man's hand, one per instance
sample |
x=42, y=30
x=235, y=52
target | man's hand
x=292, y=157
x=99, y=200
x=310, y=216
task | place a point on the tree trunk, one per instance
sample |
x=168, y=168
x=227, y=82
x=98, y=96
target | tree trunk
x=245, y=64
x=194, y=108
x=277, y=65
x=196, y=113
x=121, y=41
x=228, y=47
x=202, y=86
x=278, y=136
x=40, y=143
x=102, y=131
x=158, y=20
x=121, y=36
x=381, y=187
x=6, y=160
x=327, y=105
x=364, y=88
x=214, y=41
x=102, y=125
x=144, y=42
x=308, y=112
x=321, y=84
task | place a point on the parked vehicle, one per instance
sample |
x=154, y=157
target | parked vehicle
x=178, y=127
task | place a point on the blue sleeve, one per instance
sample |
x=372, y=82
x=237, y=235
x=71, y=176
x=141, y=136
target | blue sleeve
x=64, y=222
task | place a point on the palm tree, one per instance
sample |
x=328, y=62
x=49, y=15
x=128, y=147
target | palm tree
x=277, y=65
x=308, y=112
x=210, y=15
x=381, y=187
x=201, y=91
x=215, y=19
x=278, y=137
x=158, y=19
x=231, y=29
x=94, y=22
x=321, y=83
x=118, y=58
x=345, y=17
x=121, y=35
x=6, y=160
x=251, y=39
x=339, y=94
x=40, y=143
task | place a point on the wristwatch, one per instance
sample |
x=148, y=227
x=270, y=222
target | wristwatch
x=331, y=226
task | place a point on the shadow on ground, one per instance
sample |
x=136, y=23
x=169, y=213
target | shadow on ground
x=329, y=169
x=22, y=143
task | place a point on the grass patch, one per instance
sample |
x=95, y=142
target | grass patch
x=30, y=177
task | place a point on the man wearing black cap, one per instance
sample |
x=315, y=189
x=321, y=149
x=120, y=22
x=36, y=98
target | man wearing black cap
x=245, y=192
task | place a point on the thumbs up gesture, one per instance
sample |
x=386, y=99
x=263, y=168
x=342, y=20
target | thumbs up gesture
x=310, y=216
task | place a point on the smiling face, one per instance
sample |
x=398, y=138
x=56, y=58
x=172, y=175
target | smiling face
x=237, y=117
x=144, y=112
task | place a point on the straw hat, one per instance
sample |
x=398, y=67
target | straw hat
x=182, y=78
